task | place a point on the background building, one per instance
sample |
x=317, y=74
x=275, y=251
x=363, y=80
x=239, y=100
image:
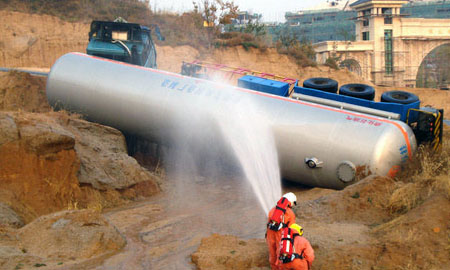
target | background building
x=333, y=20
x=392, y=49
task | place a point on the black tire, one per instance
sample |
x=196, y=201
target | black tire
x=357, y=90
x=401, y=97
x=323, y=84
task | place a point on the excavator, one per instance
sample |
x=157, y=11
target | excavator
x=122, y=41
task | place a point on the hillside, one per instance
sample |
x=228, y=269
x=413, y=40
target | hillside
x=82, y=11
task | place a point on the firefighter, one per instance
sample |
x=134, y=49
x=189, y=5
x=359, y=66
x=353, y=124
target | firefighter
x=300, y=253
x=279, y=217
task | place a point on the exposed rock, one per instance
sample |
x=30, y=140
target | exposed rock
x=43, y=137
x=20, y=208
x=63, y=235
x=8, y=217
x=40, y=166
x=229, y=252
x=104, y=160
x=21, y=91
x=8, y=129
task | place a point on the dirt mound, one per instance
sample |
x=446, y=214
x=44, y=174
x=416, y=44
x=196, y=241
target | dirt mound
x=229, y=252
x=42, y=154
x=60, y=238
x=364, y=202
x=81, y=234
x=21, y=91
x=419, y=238
x=354, y=229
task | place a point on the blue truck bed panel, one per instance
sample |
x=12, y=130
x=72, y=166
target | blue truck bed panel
x=264, y=85
x=401, y=109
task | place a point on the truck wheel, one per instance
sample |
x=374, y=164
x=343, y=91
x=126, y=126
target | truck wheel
x=323, y=84
x=401, y=97
x=357, y=90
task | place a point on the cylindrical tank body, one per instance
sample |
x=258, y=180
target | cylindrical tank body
x=317, y=145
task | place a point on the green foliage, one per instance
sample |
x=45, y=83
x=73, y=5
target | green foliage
x=246, y=40
x=248, y=45
x=256, y=28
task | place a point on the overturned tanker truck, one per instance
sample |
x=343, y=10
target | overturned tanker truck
x=320, y=141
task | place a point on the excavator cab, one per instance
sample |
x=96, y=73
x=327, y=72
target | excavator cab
x=127, y=42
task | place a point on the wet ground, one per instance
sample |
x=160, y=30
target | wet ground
x=165, y=230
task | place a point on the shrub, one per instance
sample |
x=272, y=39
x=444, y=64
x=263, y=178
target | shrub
x=302, y=51
x=332, y=62
x=427, y=174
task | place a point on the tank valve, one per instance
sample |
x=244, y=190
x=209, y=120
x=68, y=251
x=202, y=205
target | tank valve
x=313, y=162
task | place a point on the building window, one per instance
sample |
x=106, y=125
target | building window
x=388, y=61
x=386, y=11
x=366, y=23
x=366, y=12
x=388, y=20
x=366, y=36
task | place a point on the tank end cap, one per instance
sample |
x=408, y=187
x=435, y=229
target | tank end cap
x=346, y=171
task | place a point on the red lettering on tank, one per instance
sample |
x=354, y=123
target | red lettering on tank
x=363, y=121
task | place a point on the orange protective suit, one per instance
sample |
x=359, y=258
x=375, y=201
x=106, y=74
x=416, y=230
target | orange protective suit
x=273, y=238
x=300, y=244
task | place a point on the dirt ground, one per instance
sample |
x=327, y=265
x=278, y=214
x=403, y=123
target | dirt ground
x=376, y=224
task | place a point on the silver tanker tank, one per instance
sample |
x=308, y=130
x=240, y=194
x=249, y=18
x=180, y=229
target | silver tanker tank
x=317, y=145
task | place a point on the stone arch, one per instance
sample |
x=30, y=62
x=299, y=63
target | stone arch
x=352, y=65
x=434, y=69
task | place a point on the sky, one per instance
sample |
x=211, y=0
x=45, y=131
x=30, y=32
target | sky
x=272, y=10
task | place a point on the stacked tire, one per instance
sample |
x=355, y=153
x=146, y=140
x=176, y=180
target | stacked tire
x=401, y=97
x=357, y=90
x=323, y=84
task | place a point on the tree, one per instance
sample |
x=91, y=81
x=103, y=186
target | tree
x=228, y=11
x=210, y=8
